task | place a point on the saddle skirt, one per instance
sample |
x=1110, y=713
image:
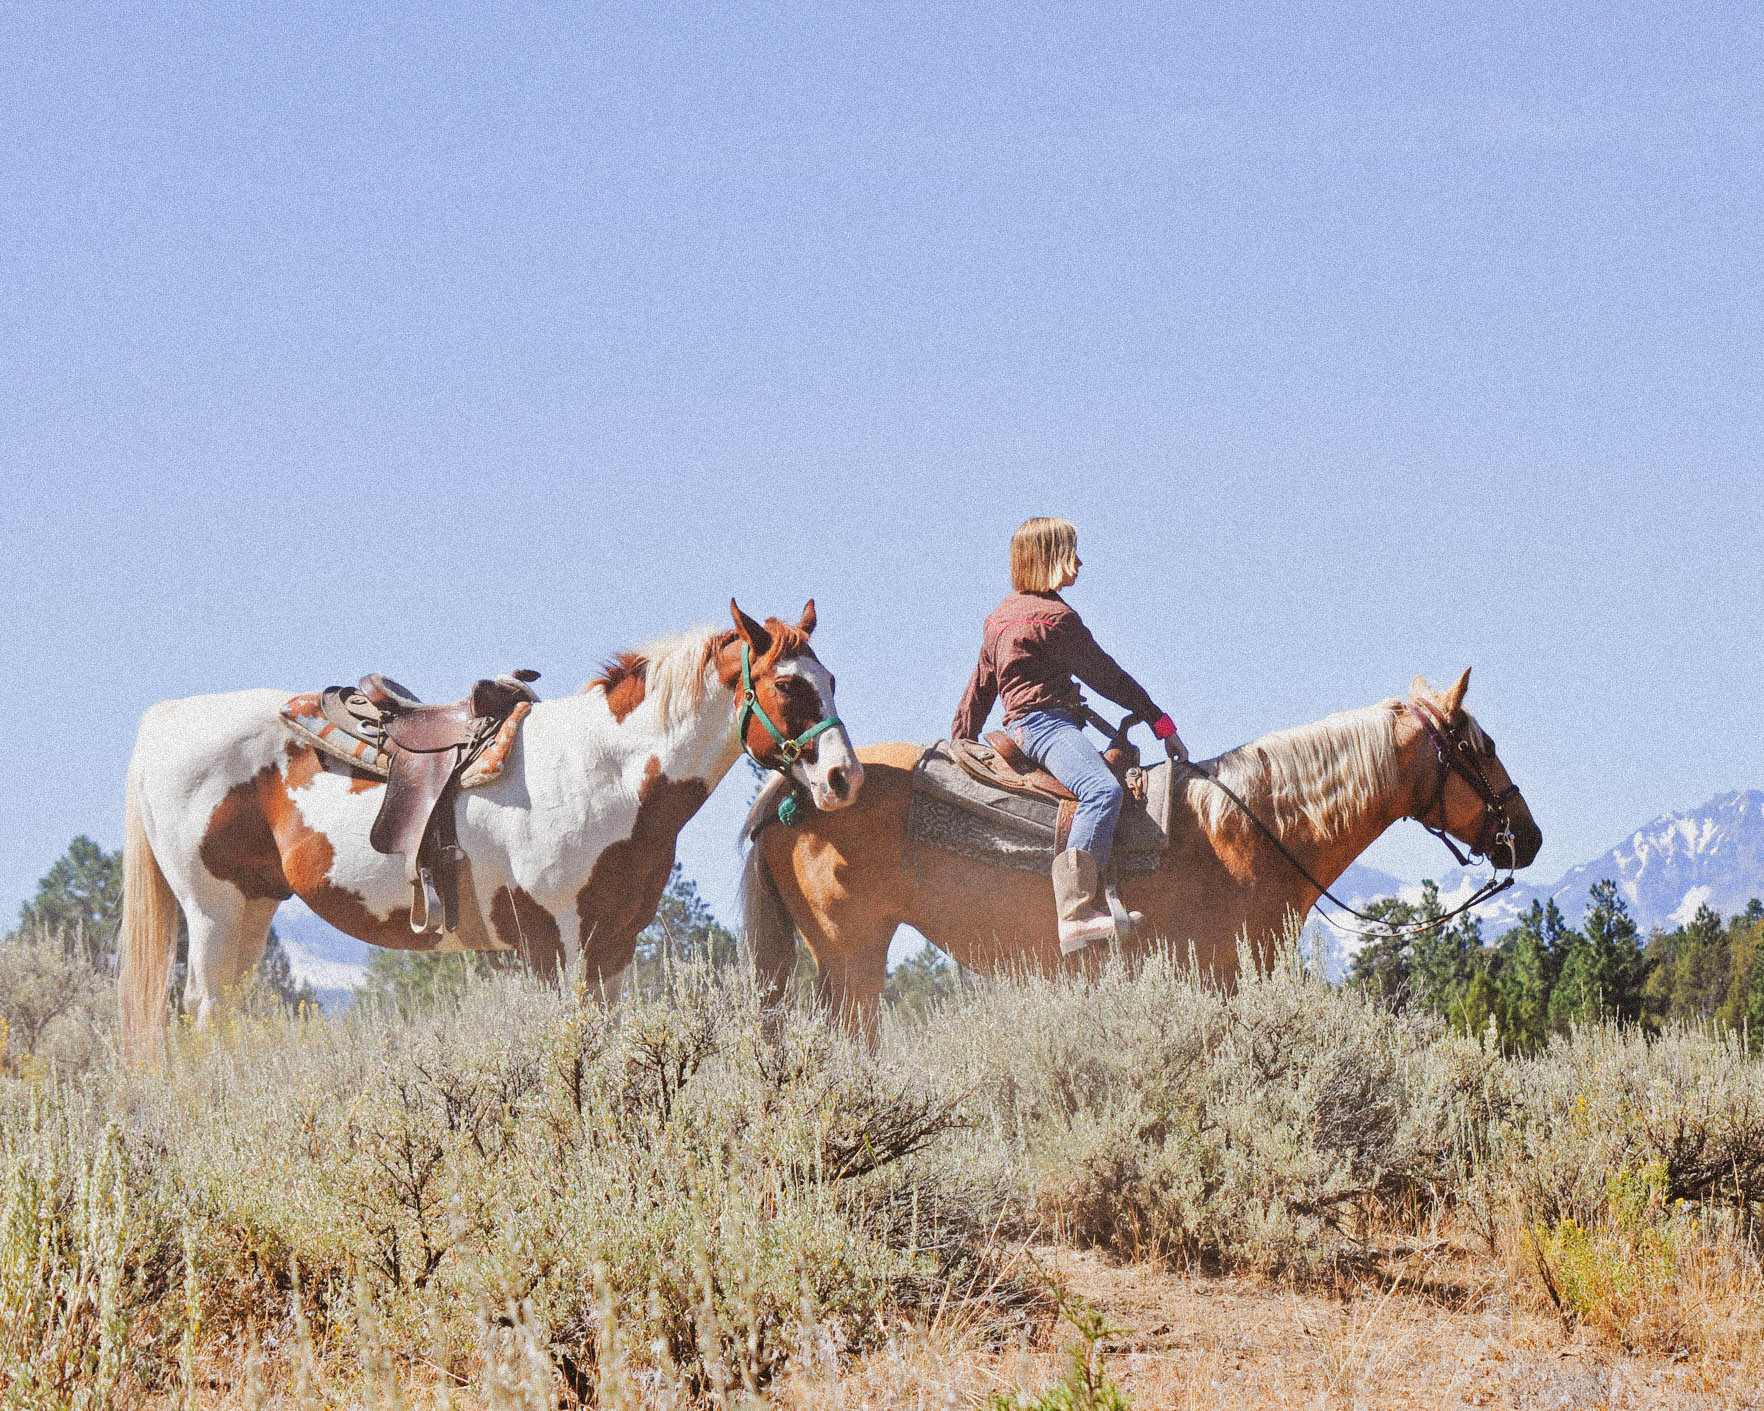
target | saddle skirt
x=953, y=809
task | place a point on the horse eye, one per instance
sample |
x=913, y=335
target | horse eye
x=1488, y=742
x=832, y=682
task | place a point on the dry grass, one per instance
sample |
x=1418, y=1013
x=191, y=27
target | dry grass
x=1281, y=1196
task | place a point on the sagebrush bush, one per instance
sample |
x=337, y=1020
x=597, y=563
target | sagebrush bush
x=664, y=1202
x=667, y=1192
x=1152, y=1112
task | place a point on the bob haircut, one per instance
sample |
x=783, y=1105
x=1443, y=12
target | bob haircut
x=1043, y=552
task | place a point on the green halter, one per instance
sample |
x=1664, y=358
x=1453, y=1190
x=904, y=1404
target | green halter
x=790, y=750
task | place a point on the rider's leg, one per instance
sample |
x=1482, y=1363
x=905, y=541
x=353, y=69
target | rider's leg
x=1058, y=744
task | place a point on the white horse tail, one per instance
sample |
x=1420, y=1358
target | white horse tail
x=766, y=926
x=144, y=944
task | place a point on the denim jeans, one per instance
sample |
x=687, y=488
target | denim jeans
x=1054, y=740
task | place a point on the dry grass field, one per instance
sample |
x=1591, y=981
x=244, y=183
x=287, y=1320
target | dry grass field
x=1138, y=1191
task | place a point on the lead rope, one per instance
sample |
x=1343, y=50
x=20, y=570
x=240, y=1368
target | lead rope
x=1493, y=887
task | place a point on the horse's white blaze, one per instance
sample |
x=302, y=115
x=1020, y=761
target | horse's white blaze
x=835, y=750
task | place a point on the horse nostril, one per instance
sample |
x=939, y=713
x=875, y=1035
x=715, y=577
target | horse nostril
x=836, y=781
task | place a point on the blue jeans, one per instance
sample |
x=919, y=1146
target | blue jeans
x=1054, y=741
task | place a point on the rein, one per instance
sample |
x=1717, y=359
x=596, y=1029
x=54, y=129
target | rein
x=789, y=748
x=1497, y=828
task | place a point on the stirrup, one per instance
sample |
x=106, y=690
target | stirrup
x=425, y=905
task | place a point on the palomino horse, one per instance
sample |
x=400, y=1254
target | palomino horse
x=228, y=814
x=845, y=881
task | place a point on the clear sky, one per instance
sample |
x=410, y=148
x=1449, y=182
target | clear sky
x=1359, y=341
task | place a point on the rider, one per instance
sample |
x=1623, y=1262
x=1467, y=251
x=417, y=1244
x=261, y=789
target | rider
x=1032, y=647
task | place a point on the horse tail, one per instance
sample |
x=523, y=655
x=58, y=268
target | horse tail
x=766, y=925
x=149, y=925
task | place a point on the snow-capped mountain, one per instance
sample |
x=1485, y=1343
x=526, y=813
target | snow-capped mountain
x=1711, y=856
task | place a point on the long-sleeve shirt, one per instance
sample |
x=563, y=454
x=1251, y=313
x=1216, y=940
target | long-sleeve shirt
x=1032, y=646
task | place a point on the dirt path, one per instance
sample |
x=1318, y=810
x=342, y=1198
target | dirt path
x=1443, y=1338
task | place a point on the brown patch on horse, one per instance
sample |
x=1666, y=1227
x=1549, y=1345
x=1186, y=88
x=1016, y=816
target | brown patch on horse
x=624, y=679
x=239, y=846
x=622, y=892
x=306, y=855
x=529, y=929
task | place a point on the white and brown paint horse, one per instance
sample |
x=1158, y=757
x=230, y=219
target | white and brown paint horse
x=228, y=815
x=845, y=881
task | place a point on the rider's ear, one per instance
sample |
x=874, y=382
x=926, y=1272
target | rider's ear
x=751, y=632
x=1454, y=699
x=807, y=625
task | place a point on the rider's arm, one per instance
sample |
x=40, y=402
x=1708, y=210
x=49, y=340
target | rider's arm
x=976, y=701
x=1101, y=672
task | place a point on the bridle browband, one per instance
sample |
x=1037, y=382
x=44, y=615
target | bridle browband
x=1458, y=756
x=748, y=706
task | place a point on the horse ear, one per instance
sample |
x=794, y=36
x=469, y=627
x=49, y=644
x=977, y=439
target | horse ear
x=1454, y=698
x=1419, y=690
x=750, y=631
x=807, y=625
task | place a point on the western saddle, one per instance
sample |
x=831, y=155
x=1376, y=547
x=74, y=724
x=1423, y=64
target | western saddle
x=426, y=754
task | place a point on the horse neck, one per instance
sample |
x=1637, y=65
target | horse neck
x=696, y=742
x=1357, y=818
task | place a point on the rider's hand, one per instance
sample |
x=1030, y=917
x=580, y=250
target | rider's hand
x=1165, y=729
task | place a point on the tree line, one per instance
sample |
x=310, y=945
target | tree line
x=1542, y=976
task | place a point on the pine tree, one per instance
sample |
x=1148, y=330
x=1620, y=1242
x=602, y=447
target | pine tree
x=79, y=899
x=1604, y=971
x=276, y=974
x=1530, y=964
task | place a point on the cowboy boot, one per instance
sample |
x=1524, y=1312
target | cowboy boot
x=1076, y=884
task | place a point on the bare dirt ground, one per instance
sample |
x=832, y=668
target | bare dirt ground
x=1440, y=1336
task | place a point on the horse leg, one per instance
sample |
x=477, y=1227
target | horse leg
x=224, y=936
x=845, y=914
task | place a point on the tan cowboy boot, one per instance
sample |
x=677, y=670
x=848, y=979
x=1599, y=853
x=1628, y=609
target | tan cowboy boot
x=1076, y=885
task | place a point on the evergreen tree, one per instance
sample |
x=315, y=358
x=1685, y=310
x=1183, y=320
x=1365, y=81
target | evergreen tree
x=276, y=974
x=1531, y=959
x=684, y=930
x=1604, y=971
x=925, y=979
x=79, y=899
x=1382, y=965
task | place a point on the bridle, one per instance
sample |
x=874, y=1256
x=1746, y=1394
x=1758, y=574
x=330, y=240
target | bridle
x=748, y=706
x=1458, y=756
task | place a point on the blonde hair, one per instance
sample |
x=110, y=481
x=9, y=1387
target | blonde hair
x=1043, y=552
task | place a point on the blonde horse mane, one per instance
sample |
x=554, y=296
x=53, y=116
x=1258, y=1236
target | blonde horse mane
x=673, y=669
x=1317, y=777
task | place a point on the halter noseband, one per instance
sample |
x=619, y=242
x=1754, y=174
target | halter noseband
x=1458, y=756
x=789, y=750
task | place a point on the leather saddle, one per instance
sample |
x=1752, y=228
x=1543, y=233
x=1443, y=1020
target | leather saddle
x=425, y=753
x=1001, y=763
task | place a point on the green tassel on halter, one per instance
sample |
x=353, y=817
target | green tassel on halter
x=790, y=810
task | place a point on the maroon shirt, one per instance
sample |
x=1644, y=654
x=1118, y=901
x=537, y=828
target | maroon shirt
x=1032, y=647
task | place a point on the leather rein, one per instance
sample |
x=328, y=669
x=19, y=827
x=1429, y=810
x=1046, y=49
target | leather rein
x=1456, y=756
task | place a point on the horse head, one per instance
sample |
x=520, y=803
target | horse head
x=785, y=712
x=1464, y=789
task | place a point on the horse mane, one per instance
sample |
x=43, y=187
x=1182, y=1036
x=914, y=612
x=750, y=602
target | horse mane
x=1318, y=776
x=671, y=671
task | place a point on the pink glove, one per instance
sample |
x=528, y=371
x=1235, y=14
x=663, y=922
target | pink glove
x=1165, y=729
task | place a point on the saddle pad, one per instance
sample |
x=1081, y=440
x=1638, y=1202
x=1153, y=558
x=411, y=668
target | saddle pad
x=305, y=717
x=952, y=810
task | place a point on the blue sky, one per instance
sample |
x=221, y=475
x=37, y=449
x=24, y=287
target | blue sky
x=1358, y=341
